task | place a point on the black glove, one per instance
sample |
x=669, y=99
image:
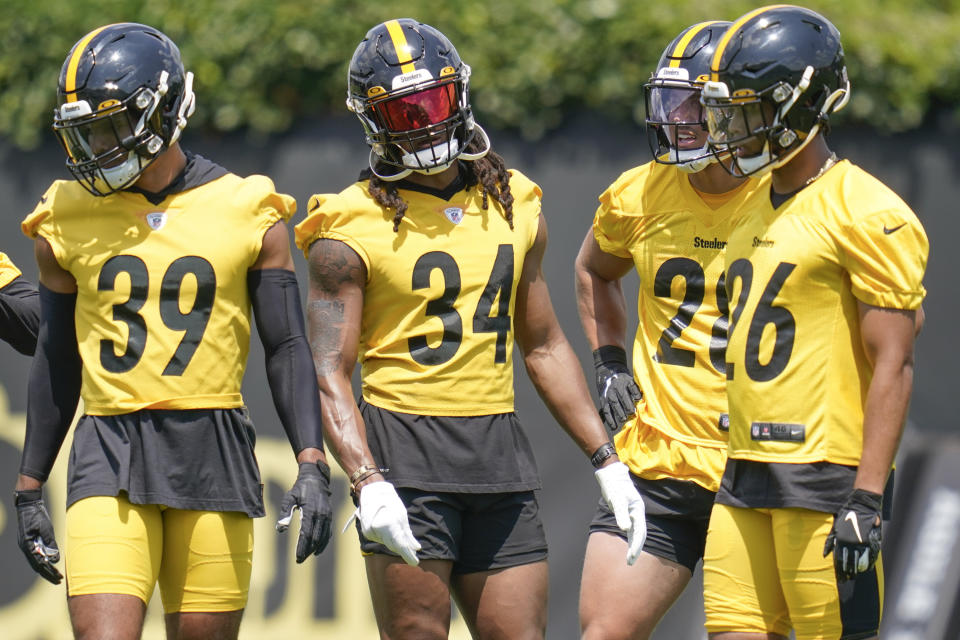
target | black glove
x=855, y=536
x=618, y=391
x=311, y=494
x=35, y=534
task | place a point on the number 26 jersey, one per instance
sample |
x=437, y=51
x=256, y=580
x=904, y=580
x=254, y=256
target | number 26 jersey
x=437, y=329
x=163, y=312
x=797, y=372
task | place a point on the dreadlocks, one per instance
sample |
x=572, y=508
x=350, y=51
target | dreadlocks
x=490, y=172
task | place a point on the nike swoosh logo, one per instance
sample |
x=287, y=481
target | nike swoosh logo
x=43, y=199
x=852, y=517
x=889, y=231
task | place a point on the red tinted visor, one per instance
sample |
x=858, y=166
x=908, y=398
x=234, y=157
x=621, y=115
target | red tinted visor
x=419, y=110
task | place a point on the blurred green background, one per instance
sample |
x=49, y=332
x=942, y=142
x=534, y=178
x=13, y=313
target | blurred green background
x=261, y=66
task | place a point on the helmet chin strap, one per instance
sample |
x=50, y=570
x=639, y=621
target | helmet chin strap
x=416, y=159
x=697, y=159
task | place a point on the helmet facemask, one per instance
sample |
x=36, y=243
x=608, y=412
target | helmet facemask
x=676, y=129
x=423, y=127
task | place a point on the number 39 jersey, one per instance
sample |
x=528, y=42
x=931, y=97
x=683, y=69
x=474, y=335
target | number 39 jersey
x=652, y=215
x=797, y=372
x=437, y=328
x=163, y=313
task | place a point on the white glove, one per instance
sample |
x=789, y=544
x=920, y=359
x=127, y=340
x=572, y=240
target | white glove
x=627, y=505
x=383, y=519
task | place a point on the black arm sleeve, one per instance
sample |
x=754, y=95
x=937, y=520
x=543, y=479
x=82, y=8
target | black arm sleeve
x=54, y=386
x=20, y=315
x=290, y=373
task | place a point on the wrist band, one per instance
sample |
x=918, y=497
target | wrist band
x=600, y=455
x=363, y=472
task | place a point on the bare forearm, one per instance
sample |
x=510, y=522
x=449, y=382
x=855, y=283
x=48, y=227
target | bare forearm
x=602, y=308
x=555, y=372
x=884, y=414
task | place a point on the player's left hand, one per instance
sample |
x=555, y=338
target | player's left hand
x=311, y=494
x=35, y=534
x=855, y=537
x=627, y=505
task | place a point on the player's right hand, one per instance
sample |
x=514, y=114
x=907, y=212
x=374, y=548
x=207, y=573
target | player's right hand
x=627, y=505
x=616, y=387
x=35, y=534
x=383, y=519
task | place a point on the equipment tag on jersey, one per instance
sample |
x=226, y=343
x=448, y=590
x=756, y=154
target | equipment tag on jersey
x=782, y=431
x=454, y=214
x=156, y=220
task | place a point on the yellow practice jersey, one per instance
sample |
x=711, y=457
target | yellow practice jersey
x=8, y=270
x=653, y=216
x=797, y=372
x=163, y=313
x=437, y=330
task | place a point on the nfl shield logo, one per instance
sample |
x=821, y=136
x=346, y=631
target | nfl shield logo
x=157, y=220
x=454, y=214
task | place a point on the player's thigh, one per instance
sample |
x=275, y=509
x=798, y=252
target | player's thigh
x=622, y=601
x=112, y=546
x=819, y=605
x=223, y=625
x=207, y=561
x=741, y=583
x=504, y=604
x=409, y=602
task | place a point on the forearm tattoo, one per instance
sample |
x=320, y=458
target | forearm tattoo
x=325, y=318
x=332, y=265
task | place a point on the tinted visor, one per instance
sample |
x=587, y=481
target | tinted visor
x=99, y=138
x=673, y=105
x=734, y=123
x=419, y=110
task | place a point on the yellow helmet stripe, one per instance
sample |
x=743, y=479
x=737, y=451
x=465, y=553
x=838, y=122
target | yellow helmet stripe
x=70, y=82
x=742, y=20
x=401, y=46
x=677, y=52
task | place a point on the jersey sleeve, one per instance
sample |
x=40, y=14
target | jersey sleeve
x=40, y=223
x=329, y=215
x=8, y=271
x=527, y=204
x=611, y=228
x=886, y=255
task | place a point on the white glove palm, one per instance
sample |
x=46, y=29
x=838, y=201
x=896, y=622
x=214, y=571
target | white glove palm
x=383, y=519
x=627, y=505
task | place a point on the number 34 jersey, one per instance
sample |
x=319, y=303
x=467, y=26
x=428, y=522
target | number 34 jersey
x=797, y=372
x=163, y=313
x=437, y=328
x=652, y=215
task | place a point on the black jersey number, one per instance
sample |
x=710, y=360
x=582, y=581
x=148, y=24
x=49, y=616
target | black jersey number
x=694, y=289
x=193, y=323
x=766, y=313
x=499, y=287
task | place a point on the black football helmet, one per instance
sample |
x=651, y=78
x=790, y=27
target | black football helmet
x=410, y=90
x=123, y=98
x=775, y=78
x=676, y=128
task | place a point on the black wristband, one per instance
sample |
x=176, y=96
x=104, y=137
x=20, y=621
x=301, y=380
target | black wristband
x=605, y=451
x=610, y=354
x=27, y=495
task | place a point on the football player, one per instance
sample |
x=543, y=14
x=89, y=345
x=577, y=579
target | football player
x=19, y=308
x=823, y=275
x=148, y=320
x=429, y=270
x=668, y=219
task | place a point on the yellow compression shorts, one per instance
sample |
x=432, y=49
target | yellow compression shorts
x=764, y=572
x=201, y=559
